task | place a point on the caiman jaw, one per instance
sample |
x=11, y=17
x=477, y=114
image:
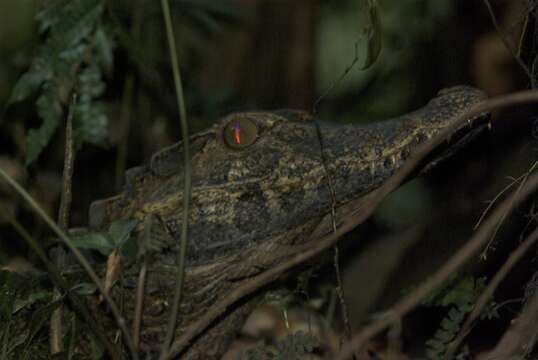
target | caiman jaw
x=361, y=158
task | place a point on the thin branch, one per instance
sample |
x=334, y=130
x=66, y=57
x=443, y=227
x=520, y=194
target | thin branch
x=56, y=328
x=140, y=286
x=339, y=285
x=69, y=161
x=506, y=42
x=187, y=180
x=486, y=295
x=520, y=336
x=347, y=70
x=524, y=178
x=79, y=306
x=492, y=202
x=318, y=246
x=120, y=321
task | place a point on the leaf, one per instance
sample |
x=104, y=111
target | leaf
x=40, y=318
x=94, y=241
x=29, y=82
x=50, y=14
x=374, y=35
x=465, y=290
x=85, y=289
x=435, y=345
x=103, y=48
x=120, y=231
x=455, y=315
x=78, y=21
x=50, y=111
x=68, y=26
x=90, y=120
x=32, y=298
x=445, y=336
x=106, y=242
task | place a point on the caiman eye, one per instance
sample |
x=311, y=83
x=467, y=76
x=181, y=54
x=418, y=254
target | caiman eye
x=240, y=133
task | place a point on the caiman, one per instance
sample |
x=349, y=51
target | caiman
x=259, y=191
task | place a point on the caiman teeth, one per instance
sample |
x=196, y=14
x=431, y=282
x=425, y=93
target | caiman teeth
x=372, y=169
x=489, y=125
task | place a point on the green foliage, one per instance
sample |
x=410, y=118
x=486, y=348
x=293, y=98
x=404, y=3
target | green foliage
x=30, y=300
x=459, y=295
x=71, y=59
x=40, y=318
x=447, y=331
x=90, y=120
x=50, y=111
x=13, y=336
x=105, y=242
x=294, y=346
x=458, y=290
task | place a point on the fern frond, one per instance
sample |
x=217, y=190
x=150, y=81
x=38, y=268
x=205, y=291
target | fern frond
x=50, y=111
x=69, y=27
x=90, y=120
x=460, y=295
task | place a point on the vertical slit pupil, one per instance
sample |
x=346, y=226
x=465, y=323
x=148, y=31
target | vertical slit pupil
x=240, y=133
x=237, y=133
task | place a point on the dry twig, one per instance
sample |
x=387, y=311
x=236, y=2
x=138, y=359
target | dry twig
x=56, y=328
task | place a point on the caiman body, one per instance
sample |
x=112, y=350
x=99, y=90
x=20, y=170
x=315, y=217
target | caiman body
x=253, y=207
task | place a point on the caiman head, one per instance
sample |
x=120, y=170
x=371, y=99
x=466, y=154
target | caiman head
x=258, y=175
x=259, y=188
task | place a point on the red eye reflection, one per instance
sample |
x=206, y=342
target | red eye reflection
x=240, y=132
x=237, y=133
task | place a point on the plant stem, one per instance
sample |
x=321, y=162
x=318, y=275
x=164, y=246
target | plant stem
x=187, y=179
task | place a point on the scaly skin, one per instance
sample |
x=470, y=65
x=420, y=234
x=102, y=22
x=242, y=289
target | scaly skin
x=252, y=208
